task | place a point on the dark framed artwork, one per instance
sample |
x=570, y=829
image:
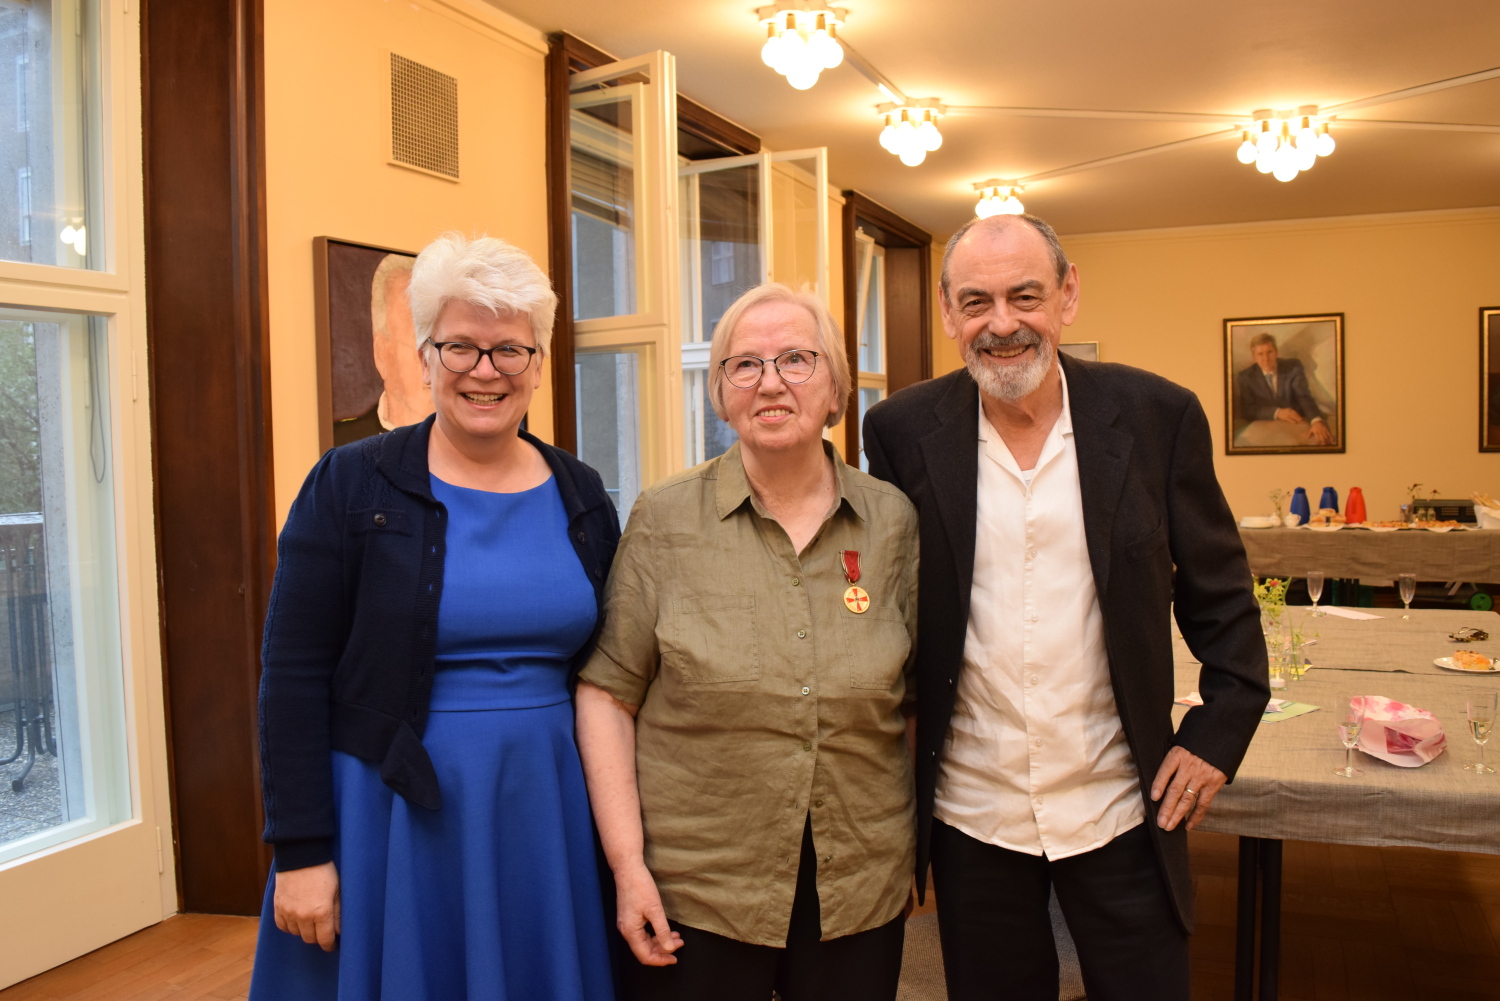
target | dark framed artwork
x=369, y=373
x=1489, y=379
x=1083, y=350
x=1284, y=384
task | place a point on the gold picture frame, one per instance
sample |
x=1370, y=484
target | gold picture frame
x=1284, y=384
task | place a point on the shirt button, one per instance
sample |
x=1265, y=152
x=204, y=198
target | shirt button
x=802, y=634
x=1039, y=742
x=807, y=745
x=1031, y=554
x=1033, y=679
x=796, y=581
x=379, y=520
x=1034, y=616
x=818, y=802
x=806, y=691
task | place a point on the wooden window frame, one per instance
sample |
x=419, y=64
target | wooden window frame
x=908, y=359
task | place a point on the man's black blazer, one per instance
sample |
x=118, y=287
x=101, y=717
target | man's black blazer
x=1158, y=530
x=1254, y=401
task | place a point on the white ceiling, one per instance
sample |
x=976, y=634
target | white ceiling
x=1145, y=55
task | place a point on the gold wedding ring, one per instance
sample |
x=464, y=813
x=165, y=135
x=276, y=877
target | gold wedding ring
x=1191, y=792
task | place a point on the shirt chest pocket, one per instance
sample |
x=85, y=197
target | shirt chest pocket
x=712, y=639
x=877, y=645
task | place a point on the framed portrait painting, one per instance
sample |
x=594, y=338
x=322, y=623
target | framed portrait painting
x=369, y=374
x=1489, y=379
x=1284, y=384
x=1086, y=350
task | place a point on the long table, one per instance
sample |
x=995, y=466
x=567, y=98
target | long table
x=1459, y=555
x=1286, y=790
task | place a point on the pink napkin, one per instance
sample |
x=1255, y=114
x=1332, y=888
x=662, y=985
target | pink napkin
x=1401, y=734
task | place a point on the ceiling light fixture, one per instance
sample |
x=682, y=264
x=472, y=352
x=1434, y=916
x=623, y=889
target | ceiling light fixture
x=997, y=197
x=801, y=41
x=910, y=130
x=1283, y=143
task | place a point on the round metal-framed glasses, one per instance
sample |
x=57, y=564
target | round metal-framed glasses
x=460, y=357
x=795, y=366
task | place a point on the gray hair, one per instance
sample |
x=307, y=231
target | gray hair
x=830, y=346
x=1059, y=259
x=484, y=272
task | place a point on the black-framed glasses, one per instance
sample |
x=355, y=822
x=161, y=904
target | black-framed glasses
x=794, y=366
x=460, y=357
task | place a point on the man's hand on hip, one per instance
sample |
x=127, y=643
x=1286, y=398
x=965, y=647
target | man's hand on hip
x=1184, y=786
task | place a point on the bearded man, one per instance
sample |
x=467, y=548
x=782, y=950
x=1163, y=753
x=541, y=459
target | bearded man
x=1064, y=506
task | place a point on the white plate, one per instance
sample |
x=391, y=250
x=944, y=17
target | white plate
x=1382, y=528
x=1444, y=528
x=1325, y=528
x=1446, y=663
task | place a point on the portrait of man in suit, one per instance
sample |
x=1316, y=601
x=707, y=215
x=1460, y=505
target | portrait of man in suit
x=1285, y=386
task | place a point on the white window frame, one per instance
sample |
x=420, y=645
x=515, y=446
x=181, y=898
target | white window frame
x=74, y=897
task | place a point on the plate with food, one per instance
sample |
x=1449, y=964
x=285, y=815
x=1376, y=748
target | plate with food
x=1325, y=528
x=1468, y=661
x=1386, y=526
x=1439, y=526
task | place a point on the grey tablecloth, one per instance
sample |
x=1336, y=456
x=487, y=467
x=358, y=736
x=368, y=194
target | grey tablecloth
x=1286, y=787
x=1352, y=552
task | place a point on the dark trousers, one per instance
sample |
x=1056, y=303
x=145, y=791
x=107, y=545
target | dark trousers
x=861, y=967
x=997, y=934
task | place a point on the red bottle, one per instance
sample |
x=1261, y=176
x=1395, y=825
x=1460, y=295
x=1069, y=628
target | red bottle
x=1354, y=507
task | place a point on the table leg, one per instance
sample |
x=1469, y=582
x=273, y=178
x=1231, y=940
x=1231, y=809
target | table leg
x=1244, y=924
x=1270, y=918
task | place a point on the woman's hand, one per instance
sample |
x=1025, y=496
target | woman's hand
x=639, y=903
x=306, y=904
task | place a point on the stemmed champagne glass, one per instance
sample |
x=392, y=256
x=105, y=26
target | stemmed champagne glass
x=1407, y=584
x=1481, y=720
x=1315, y=591
x=1351, y=720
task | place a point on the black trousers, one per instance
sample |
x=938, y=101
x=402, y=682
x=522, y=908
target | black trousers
x=861, y=967
x=997, y=934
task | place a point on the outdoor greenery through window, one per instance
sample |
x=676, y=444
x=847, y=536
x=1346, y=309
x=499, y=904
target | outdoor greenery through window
x=62, y=738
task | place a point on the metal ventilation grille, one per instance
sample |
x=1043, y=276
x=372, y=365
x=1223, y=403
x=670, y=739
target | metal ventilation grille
x=424, y=117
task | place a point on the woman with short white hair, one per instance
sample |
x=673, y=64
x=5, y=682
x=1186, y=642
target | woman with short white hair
x=741, y=718
x=437, y=589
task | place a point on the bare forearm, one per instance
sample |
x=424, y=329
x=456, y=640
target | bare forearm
x=606, y=743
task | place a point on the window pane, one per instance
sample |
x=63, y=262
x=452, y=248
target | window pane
x=609, y=434
x=721, y=244
x=603, y=200
x=49, y=120
x=868, y=397
x=872, y=316
x=62, y=737
x=794, y=223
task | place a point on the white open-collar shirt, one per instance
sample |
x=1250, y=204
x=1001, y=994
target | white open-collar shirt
x=1036, y=759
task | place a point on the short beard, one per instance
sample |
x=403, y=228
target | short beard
x=1011, y=383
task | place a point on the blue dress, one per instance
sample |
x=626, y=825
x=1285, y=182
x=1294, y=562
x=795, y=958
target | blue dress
x=496, y=896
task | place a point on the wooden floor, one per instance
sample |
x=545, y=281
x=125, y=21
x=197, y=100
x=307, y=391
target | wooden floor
x=1359, y=924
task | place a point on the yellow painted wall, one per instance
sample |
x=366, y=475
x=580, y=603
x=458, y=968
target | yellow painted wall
x=1410, y=286
x=327, y=143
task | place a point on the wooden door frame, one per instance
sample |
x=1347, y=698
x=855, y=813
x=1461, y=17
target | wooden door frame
x=202, y=68
x=888, y=230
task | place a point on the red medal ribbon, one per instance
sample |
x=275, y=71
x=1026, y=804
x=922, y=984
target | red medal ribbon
x=851, y=564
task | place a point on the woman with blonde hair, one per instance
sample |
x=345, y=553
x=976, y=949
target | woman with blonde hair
x=741, y=719
x=437, y=589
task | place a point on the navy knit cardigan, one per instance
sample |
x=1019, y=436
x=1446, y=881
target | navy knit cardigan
x=348, y=654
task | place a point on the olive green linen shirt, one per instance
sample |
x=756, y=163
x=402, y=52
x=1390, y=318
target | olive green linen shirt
x=764, y=699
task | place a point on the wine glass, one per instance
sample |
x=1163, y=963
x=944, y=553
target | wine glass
x=1481, y=720
x=1315, y=590
x=1407, y=584
x=1351, y=719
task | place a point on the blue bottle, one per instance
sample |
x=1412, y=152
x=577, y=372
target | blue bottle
x=1330, y=498
x=1299, y=506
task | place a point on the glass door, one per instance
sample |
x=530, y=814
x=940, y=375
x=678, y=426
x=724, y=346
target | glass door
x=622, y=147
x=745, y=220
